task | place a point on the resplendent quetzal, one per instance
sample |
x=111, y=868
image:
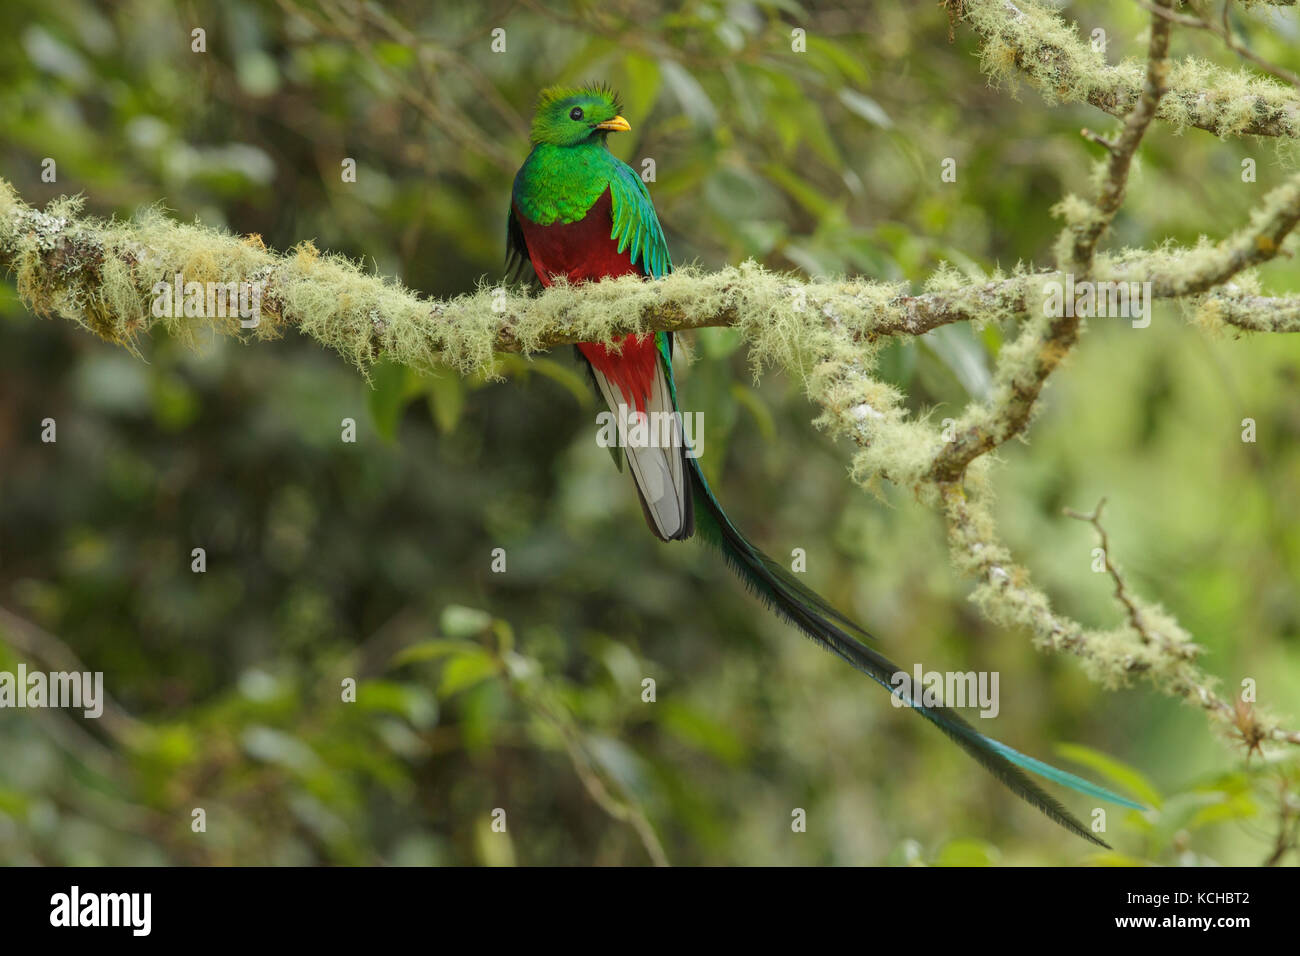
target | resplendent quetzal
x=580, y=213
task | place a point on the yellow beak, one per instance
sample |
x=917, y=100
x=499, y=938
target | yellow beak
x=617, y=124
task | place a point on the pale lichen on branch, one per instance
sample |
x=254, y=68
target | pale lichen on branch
x=1028, y=39
x=102, y=275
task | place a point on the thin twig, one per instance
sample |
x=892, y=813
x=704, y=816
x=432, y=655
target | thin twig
x=1224, y=33
x=1121, y=592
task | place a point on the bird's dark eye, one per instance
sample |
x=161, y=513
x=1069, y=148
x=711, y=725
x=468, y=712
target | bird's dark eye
x=575, y=113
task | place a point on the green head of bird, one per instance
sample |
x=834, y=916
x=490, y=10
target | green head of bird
x=568, y=116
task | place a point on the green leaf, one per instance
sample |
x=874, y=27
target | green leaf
x=493, y=847
x=393, y=387
x=866, y=107
x=466, y=670
x=818, y=136
x=897, y=363
x=446, y=400
x=431, y=650
x=991, y=336
x=394, y=54
x=749, y=399
x=641, y=88
x=827, y=51
x=460, y=621
x=1112, y=858
x=694, y=101
x=619, y=760
x=1240, y=806
x=804, y=193
x=275, y=746
x=413, y=702
x=694, y=727
x=14, y=803
x=1120, y=774
x=963, y=355
x=616, y=454
x=565, y=376
x=717, y=343
x=967, y=853
x=710, y=395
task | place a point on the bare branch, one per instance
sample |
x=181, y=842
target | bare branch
x=1145, y=632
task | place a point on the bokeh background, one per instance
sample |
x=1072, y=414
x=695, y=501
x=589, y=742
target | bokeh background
x=522, y=691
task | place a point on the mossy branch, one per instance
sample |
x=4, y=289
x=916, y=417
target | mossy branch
x=1028, y=39
x=1084, y=232
x=1049, y=340
x=102, y=274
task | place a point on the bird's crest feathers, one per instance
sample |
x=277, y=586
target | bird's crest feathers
x=555, y=94
x=556, y=122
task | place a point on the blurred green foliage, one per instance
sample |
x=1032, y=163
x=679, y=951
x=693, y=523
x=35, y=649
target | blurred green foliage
x=522, y=691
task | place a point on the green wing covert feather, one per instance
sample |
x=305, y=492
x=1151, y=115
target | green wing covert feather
x=636, y=227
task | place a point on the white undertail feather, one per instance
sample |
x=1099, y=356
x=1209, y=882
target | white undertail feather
x=657, y=467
